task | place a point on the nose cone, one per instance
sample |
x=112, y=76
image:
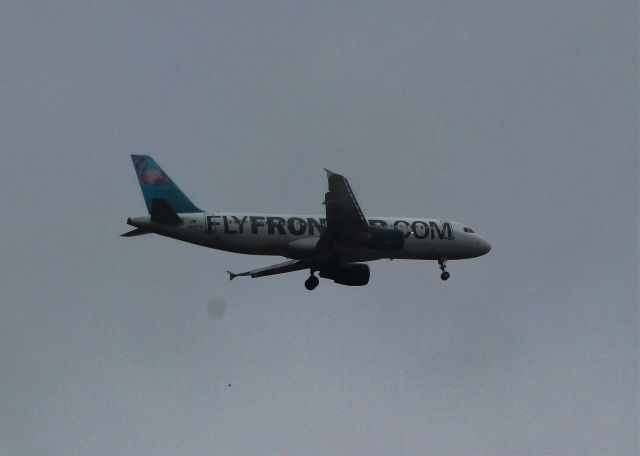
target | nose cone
x=484, y=247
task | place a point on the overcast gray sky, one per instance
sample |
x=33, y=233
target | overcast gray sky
x=517, y=118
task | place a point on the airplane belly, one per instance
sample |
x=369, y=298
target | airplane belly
x=423, y=249
x=434, y=249
x=253, y=244
x=303, y=247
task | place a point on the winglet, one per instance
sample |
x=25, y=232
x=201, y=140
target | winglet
x=329, y=173
x=232, y=275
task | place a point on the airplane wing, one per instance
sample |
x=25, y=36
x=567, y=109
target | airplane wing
x=346, y=225
x=345, y=220
x=346, y=228
x=280, y=268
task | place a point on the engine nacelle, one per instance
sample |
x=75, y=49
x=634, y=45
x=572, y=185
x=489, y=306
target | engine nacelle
x=353, y=275
x=385, y=239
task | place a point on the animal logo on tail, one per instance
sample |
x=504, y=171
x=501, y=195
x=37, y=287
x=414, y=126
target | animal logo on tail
x=151, y=176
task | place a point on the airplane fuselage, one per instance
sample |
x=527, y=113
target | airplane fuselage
x=334, y=247
x=296, y=236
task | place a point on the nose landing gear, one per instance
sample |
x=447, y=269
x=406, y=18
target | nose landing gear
x=443, y=266
x=311, y=283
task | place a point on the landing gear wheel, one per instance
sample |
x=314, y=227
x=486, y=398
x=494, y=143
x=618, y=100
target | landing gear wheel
x=442, y=262
x=311, y=283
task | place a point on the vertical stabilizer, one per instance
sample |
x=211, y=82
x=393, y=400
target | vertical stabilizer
x=156, y=184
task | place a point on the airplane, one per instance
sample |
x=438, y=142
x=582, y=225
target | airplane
x=334, y=247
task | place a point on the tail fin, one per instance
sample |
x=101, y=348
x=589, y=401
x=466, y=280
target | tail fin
x=156, y=184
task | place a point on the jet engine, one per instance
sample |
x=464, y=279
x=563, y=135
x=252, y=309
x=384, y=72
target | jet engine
x=386, y=240
x=353, y=274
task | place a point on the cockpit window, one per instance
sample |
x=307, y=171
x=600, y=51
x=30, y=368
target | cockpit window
x=468, y=230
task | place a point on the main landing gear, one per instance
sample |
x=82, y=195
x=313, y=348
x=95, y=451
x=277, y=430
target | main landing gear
x=311, y=283
x=443, y=266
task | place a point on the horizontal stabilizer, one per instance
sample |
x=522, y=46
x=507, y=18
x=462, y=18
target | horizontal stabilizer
x=162, y=212
x=136, y=232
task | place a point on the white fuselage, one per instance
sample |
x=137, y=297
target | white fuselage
x=295, y=236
